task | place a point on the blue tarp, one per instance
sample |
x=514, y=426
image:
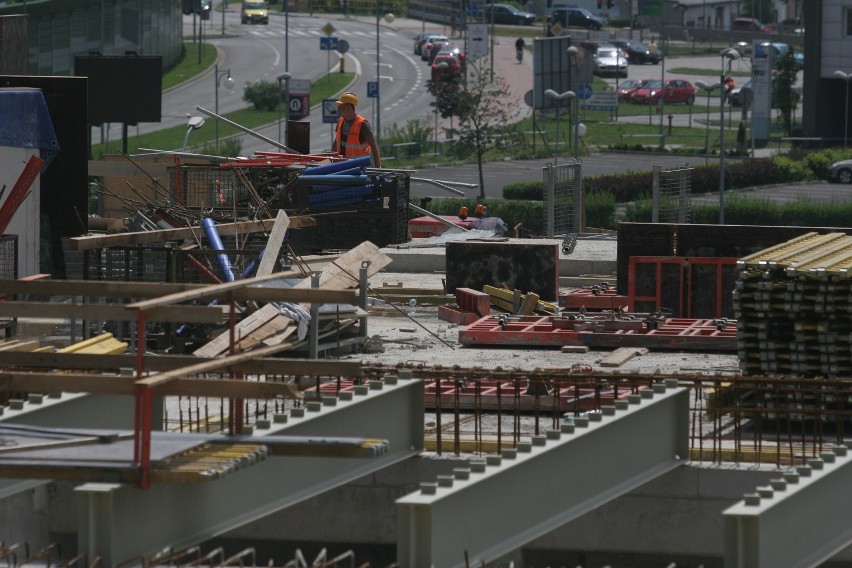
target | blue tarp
x=25, y=123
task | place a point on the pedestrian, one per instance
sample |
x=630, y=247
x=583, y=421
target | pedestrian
x=353, y=134
x=520, y=44
x=729, y=86
x=454, y=24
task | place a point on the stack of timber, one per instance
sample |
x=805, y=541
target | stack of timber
x=792, y=307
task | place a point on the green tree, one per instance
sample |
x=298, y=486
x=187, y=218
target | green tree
x=486, y=118
x=786, y=97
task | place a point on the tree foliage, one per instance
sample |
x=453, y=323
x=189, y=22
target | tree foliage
x=486, y=116
x=786, y=97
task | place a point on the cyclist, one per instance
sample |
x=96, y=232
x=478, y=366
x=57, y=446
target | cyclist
x=520, y=44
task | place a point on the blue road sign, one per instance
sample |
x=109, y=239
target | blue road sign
x=373, y=89
x=584, y=91
x=329, y=111
x=328, y=43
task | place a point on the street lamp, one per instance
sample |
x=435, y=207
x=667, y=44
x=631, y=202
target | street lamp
x=193, y=123
x=845, y=77
x=558, y=97
x=573, y=72
x=229, y=84
x=728, y=54
x=707, y=90
x=285, y=78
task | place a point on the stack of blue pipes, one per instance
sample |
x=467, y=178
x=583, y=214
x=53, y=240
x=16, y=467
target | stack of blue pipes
x=340, y=184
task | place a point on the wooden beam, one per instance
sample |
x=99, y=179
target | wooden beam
x=259, y=365
x=112, y=312
x=94, y=288
x=273, y=244
x=120, y=384
x=90, y=242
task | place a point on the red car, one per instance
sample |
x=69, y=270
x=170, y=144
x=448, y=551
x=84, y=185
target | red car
x=626, y=88
x=445, y=66
x=674, y=91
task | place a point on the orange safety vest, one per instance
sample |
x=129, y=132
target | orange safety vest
x=353, y=145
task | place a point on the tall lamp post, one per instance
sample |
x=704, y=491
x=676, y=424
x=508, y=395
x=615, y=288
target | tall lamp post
x=845, y=77
x=728, y=54
x=707, y=90
x=283, y=78
x=558, y=97
x=229, y=84
x=573, y=72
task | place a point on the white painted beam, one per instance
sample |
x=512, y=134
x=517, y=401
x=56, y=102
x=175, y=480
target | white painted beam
x=802, y=519
x=491, y=509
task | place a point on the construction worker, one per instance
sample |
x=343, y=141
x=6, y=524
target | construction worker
x=353, y=136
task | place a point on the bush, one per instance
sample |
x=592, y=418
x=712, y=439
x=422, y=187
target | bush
x=264, y=95
x=600, y=210
x=524, y=190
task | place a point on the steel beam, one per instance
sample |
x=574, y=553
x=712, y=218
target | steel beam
x=471, y=518
x=183, y=515
x=801, y=519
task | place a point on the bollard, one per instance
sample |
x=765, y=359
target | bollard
x=342, y=64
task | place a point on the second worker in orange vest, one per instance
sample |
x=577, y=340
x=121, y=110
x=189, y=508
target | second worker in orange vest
x=353, y=136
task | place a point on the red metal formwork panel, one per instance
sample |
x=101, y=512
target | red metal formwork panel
x=594, y=299
x=671, y=333
x=691, y=287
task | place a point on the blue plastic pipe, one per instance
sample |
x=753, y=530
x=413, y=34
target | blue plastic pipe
x=209, y=227
x=363, y=161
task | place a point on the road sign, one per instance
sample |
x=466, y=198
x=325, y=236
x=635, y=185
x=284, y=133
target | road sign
x=373, y=89
x=343, y=46
x=602, y=100
x=329, y=111
x=300, y=106
x=299, y=86
x=329, y=43
x=584, y=91
x=328, y=29
x=477, y=36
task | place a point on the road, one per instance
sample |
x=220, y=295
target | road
x=257, y=52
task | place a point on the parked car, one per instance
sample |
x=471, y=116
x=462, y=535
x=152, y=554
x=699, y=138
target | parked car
x=507, y=14
x=750, y=25
x=741, y=95
x=445, y=66
x=255, y=13
x=841, y=172
x=609, y=61
x=577, y=17
x=674, y=91
x=638, y=53
x=430, y=43
x=421, y=38
x=626, y=88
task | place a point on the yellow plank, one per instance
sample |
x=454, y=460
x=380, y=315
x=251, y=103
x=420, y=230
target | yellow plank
x=81, y=345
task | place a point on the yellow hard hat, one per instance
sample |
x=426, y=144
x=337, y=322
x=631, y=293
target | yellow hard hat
x=348, y=99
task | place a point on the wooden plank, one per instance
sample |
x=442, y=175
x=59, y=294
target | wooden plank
x=211, y=365
x=94, y=288
x=81, y=345
x=502, y=297
x=19, y=345
x=90, y=242
x=273, y=244
x=621, y=356
x=274, y=326
x=250, y=323
x=260, y=365
x=344, y=272
x=528, y=304
x=574, y=349
x=112, y=312
x=126, y=385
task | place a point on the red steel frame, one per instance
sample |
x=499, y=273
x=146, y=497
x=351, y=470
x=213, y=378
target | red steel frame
x=686, y=264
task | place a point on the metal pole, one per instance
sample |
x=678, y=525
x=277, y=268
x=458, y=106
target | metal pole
x=662, y=99
x=286, y=35
x=846, y=121
x=722, y=144
x=224, y=9
x=216, y=106
x=378, y=80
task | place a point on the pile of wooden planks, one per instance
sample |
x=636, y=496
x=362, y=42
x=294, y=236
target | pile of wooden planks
x=792, y=307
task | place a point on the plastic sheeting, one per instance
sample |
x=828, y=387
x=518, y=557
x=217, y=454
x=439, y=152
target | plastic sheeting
x=25, y=123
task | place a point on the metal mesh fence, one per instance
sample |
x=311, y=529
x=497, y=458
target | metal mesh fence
x=562, y=195
x=671, y=191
